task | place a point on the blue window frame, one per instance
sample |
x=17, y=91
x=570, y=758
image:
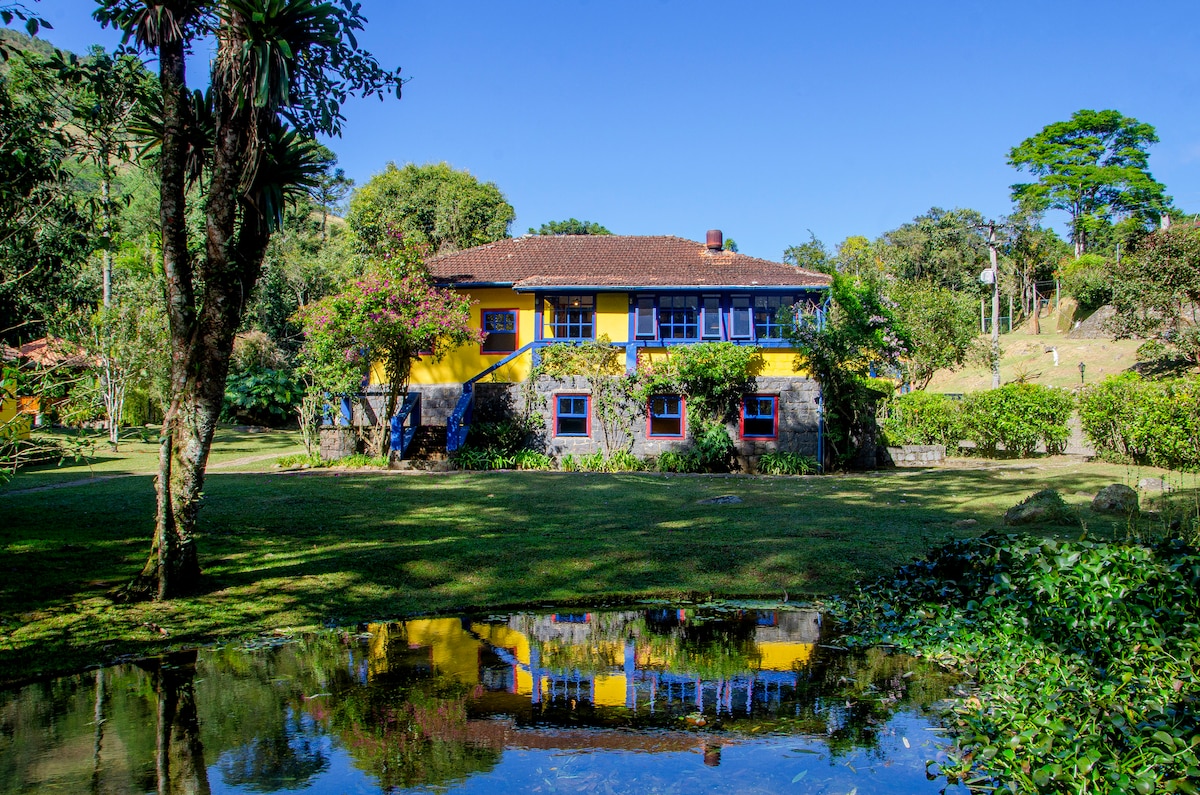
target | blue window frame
x=500, y=326
x=767, y=315
x=678, y=317
x=741, y=320
x=571, y=415
x=760, y=415
x=665, y=419
x=710, y=321
x=571, y=317
x=644, y=326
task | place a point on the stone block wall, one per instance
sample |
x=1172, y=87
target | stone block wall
x=797, y=422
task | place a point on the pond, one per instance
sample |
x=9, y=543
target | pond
x=653, y=698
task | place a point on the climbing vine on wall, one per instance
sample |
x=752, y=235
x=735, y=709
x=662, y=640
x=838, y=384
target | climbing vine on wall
x=602, y=365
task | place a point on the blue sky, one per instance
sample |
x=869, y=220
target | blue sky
x=764, y=119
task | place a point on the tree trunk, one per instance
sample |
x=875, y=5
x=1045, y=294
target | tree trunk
x=179, y=767
x=201, y=341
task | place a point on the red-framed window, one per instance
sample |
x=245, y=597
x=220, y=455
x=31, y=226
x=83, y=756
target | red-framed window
x=665, y=417
x=759, y=417
x=572, y=415
x=500, y=326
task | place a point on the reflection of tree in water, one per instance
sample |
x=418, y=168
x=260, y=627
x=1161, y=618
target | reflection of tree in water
x=282, y=759
x=179, y=754
x=411, y=735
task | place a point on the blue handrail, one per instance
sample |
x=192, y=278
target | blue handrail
x=409, y=412
x=459, y=422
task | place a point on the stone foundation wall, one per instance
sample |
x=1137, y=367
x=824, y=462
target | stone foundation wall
x=797, y=423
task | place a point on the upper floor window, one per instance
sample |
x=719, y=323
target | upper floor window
x=500, y=326
x=644, y=323
x=710, y=321
x=678, y=317
x=741, y=324
x=571, y=317
x=769, y=323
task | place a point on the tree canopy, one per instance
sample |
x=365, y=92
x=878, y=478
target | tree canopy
x=1094, y=168
x=571, y=226
x=434, y=204
x=945, y=247
x=1156, y=294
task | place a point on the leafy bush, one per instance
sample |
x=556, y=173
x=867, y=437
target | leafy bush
x=616, y=461
x=482, y=458
x=532, y=459
x=783, y=463
x=509, y=437
x=624, y=461
x=1128, y=418
x=1017, y=416
x=1084, y=656
x=593, y=462
x=713, y=375
x=922, y=418
x=299, y=460
x=361, y=461
x=672, y=461
x=262, y=396
x=713, y=447
x=1089, y=280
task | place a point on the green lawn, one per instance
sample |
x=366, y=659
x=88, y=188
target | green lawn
x=285, y=551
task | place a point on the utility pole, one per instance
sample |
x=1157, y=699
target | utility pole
x=995, y=306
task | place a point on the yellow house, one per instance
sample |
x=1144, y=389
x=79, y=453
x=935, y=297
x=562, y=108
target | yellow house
x=646, y=294
x=13, y=424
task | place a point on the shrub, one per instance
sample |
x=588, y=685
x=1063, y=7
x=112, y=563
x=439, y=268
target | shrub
x=624, y=461
x=1017, y=416
x=1089, y=280
x=672, y=461
x=261, y=395
x=922, y=418
x=481, y=458
x=593, y=462
x=506, y=436
x=714, y=448
x=532, y=459
x=1157, y=423
x=783, y=463
x=1083, y=655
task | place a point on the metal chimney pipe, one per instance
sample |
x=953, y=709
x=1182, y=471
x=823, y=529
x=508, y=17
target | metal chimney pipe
x=715, y=241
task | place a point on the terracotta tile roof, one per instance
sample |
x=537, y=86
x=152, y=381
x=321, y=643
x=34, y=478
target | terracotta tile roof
x=613, y=261
x=47, y=352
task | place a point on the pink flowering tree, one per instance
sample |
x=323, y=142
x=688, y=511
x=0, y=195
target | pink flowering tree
x=384, y=319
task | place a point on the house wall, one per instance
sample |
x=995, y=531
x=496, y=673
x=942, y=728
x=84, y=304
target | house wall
x=612, y=320
x=797, y=422
x=12, y=425
x=774, y=362
x=464, y=363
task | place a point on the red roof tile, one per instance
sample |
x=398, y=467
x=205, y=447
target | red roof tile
x=613, y=261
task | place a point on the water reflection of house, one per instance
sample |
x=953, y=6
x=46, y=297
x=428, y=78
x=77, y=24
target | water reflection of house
x=643, y=660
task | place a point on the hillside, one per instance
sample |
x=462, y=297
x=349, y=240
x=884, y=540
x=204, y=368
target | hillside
x=1029, y=356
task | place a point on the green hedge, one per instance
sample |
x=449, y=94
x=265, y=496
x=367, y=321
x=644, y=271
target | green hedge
x=922, y=418
x=1128, y=418
x=1016, y=417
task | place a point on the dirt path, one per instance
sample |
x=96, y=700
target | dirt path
x=237, y=462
